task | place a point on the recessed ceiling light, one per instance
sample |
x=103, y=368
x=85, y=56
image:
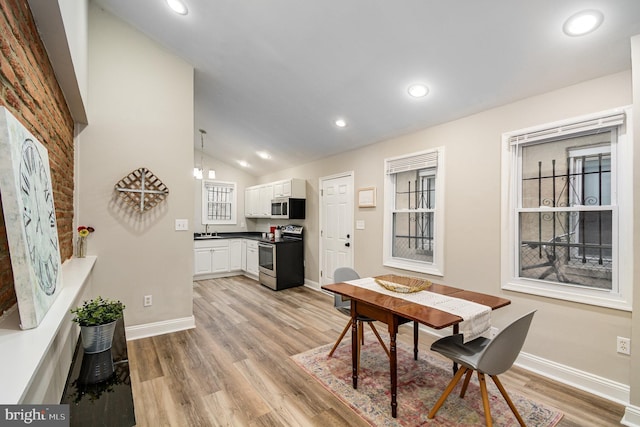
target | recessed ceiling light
x=340, y=123
x=243, y=163
x=264, y=155
x=418, y=90
x=178, y=6
x=583, y=23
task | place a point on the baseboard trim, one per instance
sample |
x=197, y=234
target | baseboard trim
x=158, y=328
x=594, y=384
x=631, y=416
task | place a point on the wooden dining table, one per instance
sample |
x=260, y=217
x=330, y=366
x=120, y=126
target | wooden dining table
x=394, y=311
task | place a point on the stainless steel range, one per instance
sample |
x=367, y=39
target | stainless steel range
x=281, y=261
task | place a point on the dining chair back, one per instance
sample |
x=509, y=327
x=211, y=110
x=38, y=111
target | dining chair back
x=343, y=305
x=485, y=356
x=343, y=274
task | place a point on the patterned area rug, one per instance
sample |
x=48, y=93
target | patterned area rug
x=420, y=384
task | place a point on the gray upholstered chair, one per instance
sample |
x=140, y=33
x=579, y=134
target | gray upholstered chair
x=343, y=305
x=486, y=356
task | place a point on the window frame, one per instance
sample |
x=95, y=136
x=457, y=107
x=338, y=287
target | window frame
x=620, y=297
x=436, y=267
x=205, y=202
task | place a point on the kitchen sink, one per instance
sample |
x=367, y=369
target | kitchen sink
x=204, y=237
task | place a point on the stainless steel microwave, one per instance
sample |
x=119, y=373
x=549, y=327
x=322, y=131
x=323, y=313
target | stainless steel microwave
x=288, y=208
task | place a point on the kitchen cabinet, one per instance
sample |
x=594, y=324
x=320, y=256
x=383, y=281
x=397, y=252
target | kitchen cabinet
x=210, y=257
x=252, y=258
x=224, y=257
x=257, y=201
x=243, y=255
x=235, y=255
x=251, y=202
x=294, y=188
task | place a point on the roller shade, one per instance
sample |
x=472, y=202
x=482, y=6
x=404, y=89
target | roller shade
x=558, y=132
x=419, y=161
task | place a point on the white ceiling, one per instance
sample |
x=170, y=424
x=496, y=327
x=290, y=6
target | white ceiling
x=274, y=74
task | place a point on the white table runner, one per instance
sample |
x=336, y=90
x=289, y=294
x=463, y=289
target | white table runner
x=476, y=317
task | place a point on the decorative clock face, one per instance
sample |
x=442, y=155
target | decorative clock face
x=39, y=217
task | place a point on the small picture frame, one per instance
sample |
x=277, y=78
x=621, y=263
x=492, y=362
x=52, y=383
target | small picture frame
x=367, y=197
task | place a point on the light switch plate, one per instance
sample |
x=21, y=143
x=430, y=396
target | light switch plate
x=360, y=224
x=182, y=224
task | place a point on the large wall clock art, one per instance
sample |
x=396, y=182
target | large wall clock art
x=30, y=218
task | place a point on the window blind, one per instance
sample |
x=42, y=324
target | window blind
x=592, y=125
x=415, y=162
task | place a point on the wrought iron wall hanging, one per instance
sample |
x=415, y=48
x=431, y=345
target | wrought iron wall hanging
x=142, y=190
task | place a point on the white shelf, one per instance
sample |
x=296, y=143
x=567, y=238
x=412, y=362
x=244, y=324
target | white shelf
x=22, y=351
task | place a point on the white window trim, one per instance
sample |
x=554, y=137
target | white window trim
x=622, y=241
x=204, y=202
x=435, y=268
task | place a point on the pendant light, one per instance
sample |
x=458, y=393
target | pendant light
x=198, y=173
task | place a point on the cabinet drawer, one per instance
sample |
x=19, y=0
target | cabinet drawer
x=212, y=243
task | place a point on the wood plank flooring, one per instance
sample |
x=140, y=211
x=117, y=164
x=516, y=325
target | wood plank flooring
x=234, y=369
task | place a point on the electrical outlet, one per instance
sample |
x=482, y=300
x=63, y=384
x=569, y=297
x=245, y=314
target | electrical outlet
x=493, y=332
x=148, y=301
x=623, y=345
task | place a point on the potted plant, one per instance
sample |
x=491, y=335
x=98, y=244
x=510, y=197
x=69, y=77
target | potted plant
x=97, y=319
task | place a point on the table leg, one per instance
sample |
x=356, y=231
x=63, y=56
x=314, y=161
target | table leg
x=393, y=367
x=354, y=344
x=415, y=340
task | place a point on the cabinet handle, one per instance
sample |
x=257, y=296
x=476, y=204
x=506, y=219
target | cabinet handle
x=347, y=244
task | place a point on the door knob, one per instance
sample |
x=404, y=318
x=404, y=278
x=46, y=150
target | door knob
x=347, y=244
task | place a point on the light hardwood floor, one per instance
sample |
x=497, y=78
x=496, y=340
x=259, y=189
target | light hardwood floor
x=234, y=368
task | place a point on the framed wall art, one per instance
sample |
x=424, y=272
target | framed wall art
x=367, y=197
x=30, y=218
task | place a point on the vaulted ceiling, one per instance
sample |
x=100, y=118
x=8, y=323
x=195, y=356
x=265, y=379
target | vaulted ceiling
x=275, y=75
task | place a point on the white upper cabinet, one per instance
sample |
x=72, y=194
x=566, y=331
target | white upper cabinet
x=257, y=199
x=295, y=188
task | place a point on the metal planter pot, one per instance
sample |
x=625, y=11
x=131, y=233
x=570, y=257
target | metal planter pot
x=96, y=339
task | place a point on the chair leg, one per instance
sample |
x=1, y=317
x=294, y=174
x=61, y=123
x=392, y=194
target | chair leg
x=485, y=399
x=466, y=383
x=506, y=397
x=375, y=331
x=447, y=391
x=344, y=331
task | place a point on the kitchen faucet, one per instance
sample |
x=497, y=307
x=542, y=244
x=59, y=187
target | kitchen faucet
x=206, y=229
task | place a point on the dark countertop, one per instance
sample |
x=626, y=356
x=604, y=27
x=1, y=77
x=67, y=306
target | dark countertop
x=251, y=235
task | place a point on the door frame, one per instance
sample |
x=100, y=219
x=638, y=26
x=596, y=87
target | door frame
x=351, y=176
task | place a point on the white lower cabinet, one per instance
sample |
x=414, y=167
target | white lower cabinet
x=235, y=255
x=252, y=257
x=215, y=257
x=211, y=256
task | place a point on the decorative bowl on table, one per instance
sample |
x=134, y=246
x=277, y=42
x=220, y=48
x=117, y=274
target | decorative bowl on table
x=403, y=284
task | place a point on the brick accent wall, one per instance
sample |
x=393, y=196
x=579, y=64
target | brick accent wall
x=29, y=89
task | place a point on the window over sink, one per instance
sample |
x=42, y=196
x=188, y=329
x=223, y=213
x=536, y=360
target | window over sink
x=219, y=202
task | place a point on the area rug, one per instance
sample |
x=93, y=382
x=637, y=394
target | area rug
x=420, y=384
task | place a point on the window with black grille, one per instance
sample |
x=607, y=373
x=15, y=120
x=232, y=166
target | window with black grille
x=568, y=195
x=218, y=202
x=413, y=213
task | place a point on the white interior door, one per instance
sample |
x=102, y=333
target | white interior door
x=336, y=225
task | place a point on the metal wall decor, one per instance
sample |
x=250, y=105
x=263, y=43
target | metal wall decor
x=141, y=189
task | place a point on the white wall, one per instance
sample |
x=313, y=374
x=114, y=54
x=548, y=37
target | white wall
x=140, y=99
x=562, y=332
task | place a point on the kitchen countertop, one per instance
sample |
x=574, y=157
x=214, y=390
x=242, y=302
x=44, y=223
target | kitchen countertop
x=251, y=235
